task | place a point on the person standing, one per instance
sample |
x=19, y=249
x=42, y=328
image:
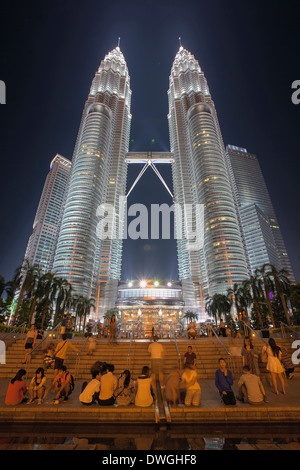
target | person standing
x=112, y=329
x=287, y=363
x=250, y=356
x=61, y=351
x=30, y=342
x=156, y=352
x=224, y=382
x=274, y=365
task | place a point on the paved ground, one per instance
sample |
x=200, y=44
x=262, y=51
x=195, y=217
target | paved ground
x=40, y=426
x=209, y=397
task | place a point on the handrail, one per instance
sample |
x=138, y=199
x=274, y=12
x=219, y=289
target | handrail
x=178, y=353
x=77, y=362
x=129, y=349
x=213, y=330
x=250, y=328
x=37, y=346
x=297, y=333
x=12, y=332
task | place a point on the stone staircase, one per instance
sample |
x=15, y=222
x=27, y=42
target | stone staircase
x=135, y=356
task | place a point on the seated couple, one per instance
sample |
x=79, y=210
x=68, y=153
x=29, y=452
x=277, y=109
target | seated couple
x=105, y=389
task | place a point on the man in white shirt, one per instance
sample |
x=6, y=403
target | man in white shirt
x=108, y=384
x=251, y=388
x=156, y=352
x=90, y=393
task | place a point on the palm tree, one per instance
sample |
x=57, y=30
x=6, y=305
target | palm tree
x=268, y=284
x=234, y=295
x=190, y=315
x=25, y=274
x=218, y=306
x=253, y=286
x=282, y=285
x=48, y=285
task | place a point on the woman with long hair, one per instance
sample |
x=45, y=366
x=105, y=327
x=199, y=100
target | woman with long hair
x=274, y=365
x=112, y=329
x=250, y=356
x=144, y=394
x=16, y=389
x=125, y=391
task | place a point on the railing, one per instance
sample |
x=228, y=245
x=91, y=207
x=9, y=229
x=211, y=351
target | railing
x=28, y=359
x=283, y=332
x=178, y=353
x=12, y=334
x=129, y=349
x=77, y=362
x=253, y=331
x=221, y=342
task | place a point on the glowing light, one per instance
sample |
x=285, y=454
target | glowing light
x=156, y=283
x=143, y=284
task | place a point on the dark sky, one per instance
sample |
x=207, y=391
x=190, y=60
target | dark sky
x=50, y=50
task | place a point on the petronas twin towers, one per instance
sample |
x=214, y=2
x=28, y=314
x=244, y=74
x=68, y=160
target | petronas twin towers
x=200, y=177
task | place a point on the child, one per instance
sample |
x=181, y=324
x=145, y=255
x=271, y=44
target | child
x=49, y=358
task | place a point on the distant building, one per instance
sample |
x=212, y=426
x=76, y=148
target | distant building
x=261, y=232
x=42, y=243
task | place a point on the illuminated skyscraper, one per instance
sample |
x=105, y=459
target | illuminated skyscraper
x=261, y=231
x=200, y=177
x=91, y=264
x=42, y=243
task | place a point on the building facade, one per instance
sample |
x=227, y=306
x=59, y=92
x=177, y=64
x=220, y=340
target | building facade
x=89, y=260
x=43, y=240
x=201, y=177
x=261, y=232
x=227, y=225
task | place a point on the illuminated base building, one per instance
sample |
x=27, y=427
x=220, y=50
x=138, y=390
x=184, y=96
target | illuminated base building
x=148, y=304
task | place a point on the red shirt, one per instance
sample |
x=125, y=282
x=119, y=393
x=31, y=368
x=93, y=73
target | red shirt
x=15, y=392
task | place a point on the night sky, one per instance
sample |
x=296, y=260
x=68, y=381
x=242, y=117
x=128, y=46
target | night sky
x=50, y=50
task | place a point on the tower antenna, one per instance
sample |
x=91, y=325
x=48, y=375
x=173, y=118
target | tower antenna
x=180, y=42
x=119, y=39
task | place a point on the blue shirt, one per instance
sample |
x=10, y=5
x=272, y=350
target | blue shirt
x=222, y=382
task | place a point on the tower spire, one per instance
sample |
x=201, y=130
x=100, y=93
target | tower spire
x=180, y=42
x=119, y=39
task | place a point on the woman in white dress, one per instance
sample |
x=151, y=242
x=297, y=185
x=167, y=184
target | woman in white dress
x=144, y=394
x=274, y=365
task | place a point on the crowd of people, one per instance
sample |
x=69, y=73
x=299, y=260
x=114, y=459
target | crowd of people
x=181, y=386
